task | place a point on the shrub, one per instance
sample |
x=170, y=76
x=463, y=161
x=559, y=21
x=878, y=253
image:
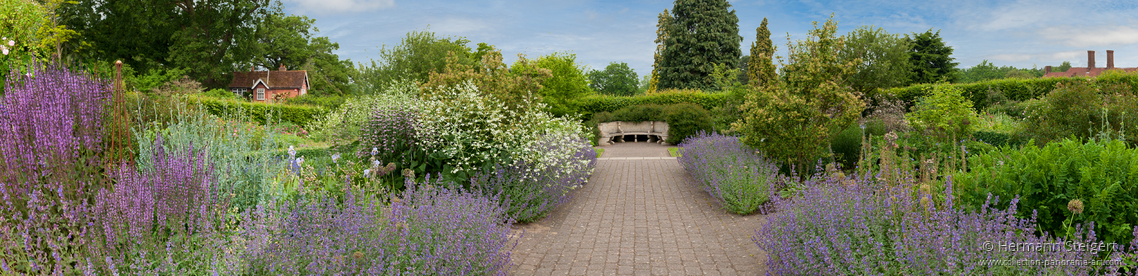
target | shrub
x=329, y=102
x=51, y=154
x=528, y=191
x=342, y=125
x=1103, y=175
x=429, y=229
x=604, y=103
x=685, y=120
x=737, y=176
x=641, y=113
x=847, y=145
x=841, y=226
x=945, y=115
x=1084, y=111
x=300, y=115
x=391, y=132
x=567, y=81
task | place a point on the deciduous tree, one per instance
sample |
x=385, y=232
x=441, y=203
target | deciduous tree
x=884, y=59
x=616, y=79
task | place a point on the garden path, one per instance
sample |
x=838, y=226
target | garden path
x=640, y=214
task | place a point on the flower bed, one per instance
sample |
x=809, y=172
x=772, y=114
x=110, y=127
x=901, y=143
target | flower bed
x=739, y=178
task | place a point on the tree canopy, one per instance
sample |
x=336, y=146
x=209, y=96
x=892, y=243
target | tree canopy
x=700, y=34
x=884, y=59
x=760, y=67
x=417, y=55
x=617, y=79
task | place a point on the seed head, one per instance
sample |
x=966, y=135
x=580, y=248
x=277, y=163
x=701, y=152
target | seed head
x=1075, y=206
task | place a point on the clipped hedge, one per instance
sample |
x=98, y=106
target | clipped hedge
x=1013, y=89
x=299, y=115
x=606, y=103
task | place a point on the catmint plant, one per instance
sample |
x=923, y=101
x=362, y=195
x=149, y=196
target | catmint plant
x=529, y=190
x=737, y=176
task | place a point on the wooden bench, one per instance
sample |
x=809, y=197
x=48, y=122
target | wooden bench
x=621, y=132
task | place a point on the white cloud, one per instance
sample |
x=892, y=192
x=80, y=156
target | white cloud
x=1074, y=56
x=1082, y=36
x=459, y=26
x=341, y=6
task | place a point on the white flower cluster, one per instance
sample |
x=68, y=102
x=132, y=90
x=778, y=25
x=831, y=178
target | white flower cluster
x=473, y=128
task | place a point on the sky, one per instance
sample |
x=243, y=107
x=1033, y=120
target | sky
x=1023, y=34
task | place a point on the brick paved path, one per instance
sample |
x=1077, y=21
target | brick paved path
x=639, y=216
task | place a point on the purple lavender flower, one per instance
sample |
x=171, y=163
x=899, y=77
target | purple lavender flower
x=737, y=176
x=531, y=191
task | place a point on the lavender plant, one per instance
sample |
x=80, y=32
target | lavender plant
x=866, y=227
x=50, y=145
x=529, y=192
x=737, y=176
x=428, y=230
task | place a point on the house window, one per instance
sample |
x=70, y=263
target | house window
x=260, y=94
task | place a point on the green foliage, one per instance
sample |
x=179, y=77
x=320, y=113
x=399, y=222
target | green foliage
x=617, y=79
x=328, y=102
x=988, y=71
x=1015, y=89
x=931, y=59
x=568, y=81
x=945, y=115
x=154, y=79
x=587, y=106
x=20, y=21
x=288, y=40
x=700, y=34
x=884, y=59
x=1103, y=175
x=640, y=113
x=418, y=54
x=516, y=87
x=793, y=120
x=847, y=145
x=664, y=21
x=1083, y=111
x=300, y=115
x=219, y=93
x=686, y=120
x=760, y=67
x=1062, y=67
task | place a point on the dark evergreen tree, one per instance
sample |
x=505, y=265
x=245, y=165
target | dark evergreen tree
x=664, y=20
x=760, y=68
x=702, y=33
x=931, y=59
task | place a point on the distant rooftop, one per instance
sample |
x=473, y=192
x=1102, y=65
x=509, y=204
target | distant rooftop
x=1090, y=70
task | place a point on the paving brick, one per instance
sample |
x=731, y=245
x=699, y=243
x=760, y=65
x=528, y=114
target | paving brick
x=639, y=216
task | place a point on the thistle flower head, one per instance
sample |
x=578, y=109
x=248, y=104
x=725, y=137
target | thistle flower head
x=408, y=173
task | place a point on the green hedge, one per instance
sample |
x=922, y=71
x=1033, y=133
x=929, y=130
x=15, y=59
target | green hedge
x=1013, y=89
x=606, y=103
x=299, y=115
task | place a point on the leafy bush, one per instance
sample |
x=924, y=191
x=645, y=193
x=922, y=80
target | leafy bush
x=737, y=176
x=944, y=115
x=300, y=115
x=155, y=78
x=1015, y=89
x=219, y=93
x=343, y=124
x=528, y=193
x=1084, y=111
x=603, y=103
x=1102, y=175
x=686, y=120
x=641, y=113
x=843, y=226
x=847, y=145
x=567, y=82
x=329, y=102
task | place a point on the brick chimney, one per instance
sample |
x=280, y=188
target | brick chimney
x=283, y=67
x=1047, y=69
x=1109, y=59
x=1090, y=60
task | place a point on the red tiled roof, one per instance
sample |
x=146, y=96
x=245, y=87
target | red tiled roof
x=274, y=79
x=1083, y=72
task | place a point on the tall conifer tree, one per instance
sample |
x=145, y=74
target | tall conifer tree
x=661, y=35
x=760, y=69
x=702, y=33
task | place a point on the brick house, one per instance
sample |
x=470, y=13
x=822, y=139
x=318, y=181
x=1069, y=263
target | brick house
x=267, y=86
x=1090, y=71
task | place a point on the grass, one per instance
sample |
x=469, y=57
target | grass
x=675, y=152
x=599, y=151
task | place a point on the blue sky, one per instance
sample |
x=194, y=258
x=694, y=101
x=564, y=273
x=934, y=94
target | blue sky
x=1016, y=33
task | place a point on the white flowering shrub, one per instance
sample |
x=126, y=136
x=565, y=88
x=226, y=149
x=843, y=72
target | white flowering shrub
x=344, y=123
x=474, y=131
